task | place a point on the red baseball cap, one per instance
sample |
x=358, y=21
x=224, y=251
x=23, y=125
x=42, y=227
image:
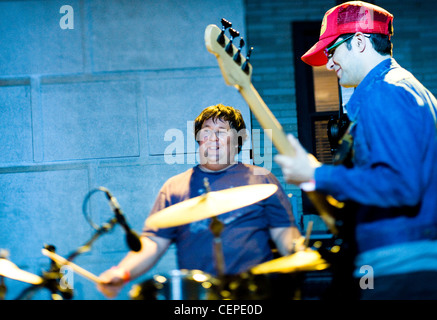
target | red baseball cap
x=348, y=17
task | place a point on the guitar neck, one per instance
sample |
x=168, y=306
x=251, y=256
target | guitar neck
x=237, y=72
x=267, y=120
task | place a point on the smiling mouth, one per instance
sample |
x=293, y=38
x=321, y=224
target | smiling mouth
x=212, y=150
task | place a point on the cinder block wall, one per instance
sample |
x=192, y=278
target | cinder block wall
x=91, y=106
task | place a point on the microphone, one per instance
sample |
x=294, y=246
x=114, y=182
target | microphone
x=132, y=239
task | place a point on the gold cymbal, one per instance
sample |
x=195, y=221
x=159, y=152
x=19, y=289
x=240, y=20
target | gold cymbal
x=9, y=270
x=209, y=205
x=305, y=260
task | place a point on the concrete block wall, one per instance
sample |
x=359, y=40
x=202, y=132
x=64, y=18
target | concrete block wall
x=92, y=106
x=269, y=32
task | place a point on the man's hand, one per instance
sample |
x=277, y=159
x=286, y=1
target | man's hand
x=301, y=167
x=112, y=282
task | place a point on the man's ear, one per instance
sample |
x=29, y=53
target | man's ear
x=360, y=40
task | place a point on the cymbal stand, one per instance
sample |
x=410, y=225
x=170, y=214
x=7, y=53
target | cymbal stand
x=53, y=276
x=4, y=255
x=216, y=227
x=51, y=281
x=2, y=288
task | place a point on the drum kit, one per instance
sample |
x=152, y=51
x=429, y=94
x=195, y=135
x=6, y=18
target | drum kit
x=183, y=284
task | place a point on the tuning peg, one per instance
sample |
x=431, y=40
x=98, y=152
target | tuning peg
x=246, y=63
x=234, y=33
x=225, y=25
x=237, y=56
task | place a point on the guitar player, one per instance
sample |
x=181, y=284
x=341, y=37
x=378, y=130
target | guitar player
x=394, y=175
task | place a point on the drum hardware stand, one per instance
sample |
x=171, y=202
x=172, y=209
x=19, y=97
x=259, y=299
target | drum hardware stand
x=51, y=281
x=216, y=227
x=2, y=288
x=308, y=234
x=106, y=227
x=52, y=277
x=3, y=255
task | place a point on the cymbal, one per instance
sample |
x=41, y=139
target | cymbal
x=305, y=260
x=209, y=205
x=10, y=270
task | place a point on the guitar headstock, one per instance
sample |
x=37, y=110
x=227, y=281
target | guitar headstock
x=236, y=69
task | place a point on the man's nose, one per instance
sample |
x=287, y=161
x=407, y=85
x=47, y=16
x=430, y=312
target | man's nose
x=330, y=64
x=214, y=136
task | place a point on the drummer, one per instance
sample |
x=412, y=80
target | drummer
x=247, y=232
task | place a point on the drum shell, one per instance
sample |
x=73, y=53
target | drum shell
x=177, y=285
x=198, y=285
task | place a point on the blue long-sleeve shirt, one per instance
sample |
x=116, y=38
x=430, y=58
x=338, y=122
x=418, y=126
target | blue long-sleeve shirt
x=394, y=176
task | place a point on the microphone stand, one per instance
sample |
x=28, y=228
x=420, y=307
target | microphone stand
x=106, y=227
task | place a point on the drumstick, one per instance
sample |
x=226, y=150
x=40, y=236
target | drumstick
x=308, y=234
x=84, y=273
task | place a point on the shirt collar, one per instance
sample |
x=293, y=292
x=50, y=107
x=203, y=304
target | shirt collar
x=353, y=106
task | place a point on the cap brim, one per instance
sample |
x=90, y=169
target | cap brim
x=316, y=55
